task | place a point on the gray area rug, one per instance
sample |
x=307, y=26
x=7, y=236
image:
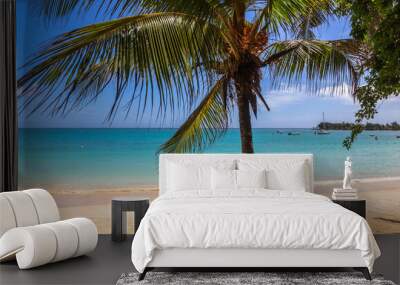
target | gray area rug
x=268, y=278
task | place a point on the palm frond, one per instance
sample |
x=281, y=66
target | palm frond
x=279, y=16
x=60, y=8
x=304, y=28
x=213, y=11
x=204, y=9
x=204, y=125
x=155, y=53
x=315, y=64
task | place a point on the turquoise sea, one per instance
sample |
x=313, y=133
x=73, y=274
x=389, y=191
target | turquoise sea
x=120, y=157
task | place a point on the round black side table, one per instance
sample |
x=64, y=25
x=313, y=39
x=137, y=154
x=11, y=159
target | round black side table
x=119, y=207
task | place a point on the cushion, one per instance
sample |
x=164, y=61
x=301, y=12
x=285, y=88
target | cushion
x=187, y=177
x=7, y=218
x=251, y=178
x=32, y=246
x=288, y=175
x=40, y=244
x=191, y=176
x=87, y=235
x=26, y=208
x=23, y=208
x=228, y=179
x=223, y=179
x=67, y=239
x=46, y=207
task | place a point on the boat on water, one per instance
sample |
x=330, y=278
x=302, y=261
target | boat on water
x=293, y=133
x=279, y=132
x=321, y=131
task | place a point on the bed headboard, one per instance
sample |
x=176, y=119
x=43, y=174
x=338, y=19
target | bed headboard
x=208, y=158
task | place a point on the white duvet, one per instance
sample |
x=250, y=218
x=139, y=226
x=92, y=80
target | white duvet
x=250, y=219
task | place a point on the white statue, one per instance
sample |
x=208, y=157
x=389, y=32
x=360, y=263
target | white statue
x=347, y=174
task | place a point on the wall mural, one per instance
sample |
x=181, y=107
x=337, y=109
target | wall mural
x=84, y=158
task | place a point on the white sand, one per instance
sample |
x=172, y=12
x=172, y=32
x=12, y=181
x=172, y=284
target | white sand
x=382, y=195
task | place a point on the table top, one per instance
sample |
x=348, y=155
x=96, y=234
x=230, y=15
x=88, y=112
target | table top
x=130, y=198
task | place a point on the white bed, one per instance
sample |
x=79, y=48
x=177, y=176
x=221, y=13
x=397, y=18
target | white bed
x=248, y=227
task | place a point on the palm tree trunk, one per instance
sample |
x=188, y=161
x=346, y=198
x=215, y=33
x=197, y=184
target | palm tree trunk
x=246, y=134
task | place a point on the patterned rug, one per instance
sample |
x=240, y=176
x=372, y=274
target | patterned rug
x=243, y=278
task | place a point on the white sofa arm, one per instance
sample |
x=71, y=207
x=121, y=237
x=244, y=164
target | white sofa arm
x=33, y=246
x=37, y=245
x=87, y=235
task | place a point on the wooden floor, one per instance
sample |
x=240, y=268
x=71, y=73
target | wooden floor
x=110, y=260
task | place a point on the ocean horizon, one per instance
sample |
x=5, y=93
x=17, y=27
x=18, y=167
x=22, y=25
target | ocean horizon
x=118, y=157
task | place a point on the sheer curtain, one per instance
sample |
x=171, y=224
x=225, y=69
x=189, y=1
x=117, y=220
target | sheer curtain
x=8, y=101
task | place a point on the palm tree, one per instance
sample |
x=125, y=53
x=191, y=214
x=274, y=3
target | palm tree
x=203, y=56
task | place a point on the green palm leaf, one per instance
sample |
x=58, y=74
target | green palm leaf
x=316, y=16
x=280, y=15
x=61, y=8
x=204, y=125
x=172, y=51
x=158, y=54
x=204, y=9
x=315, y=63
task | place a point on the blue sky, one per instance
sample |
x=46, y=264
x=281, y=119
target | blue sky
x=290, y=107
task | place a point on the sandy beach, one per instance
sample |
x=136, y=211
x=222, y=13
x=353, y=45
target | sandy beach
x=383, y=200
x=382, y=195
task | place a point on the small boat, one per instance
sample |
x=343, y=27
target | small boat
x=293, y=133
x=279, y=132
x=321, y=131
x=397, y=137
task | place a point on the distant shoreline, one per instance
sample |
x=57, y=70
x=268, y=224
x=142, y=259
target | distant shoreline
x=344, y=126
x=81, y=189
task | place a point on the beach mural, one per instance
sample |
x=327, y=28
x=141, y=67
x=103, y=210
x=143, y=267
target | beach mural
x=84, y=160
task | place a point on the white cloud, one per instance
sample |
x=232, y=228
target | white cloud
x=342, y=92
x=291, y=95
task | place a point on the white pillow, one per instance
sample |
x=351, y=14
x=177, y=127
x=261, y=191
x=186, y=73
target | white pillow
x=223, y=179
x=186, y=175
x=288, y=175
x=292, y=178
x=251, y=178
x=227, y=179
